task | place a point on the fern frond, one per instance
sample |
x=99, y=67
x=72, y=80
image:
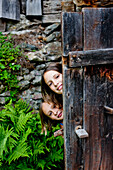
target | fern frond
x=13, y=140
x=19, y=151
x=22, y=105
x=41, y=164
x=8, y=105
x=4, y=135
x=25, y=134
x=22, y=120
x=50, y=164
x=24, y=166
x=38, y=149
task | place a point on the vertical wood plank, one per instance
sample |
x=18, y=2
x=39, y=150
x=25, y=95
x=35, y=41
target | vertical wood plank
x=33, y=7
x=72, y=98
x=98, y=28
x=98, y=34
x=71, y=32
x=97, y=93
x=10, y=9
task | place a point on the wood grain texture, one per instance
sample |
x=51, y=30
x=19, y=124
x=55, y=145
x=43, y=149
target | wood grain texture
x=87, y=91
x=98, y=32
x=33, y=8
x=93, y=2
x=67, y=6
x=98, y=91
x=71, y=32
x=90, y=57
x=10, y=9
x=72, y=98
x=98, y=28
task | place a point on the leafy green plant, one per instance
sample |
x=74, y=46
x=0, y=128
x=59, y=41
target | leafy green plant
x=22, y=146
x=8, y=64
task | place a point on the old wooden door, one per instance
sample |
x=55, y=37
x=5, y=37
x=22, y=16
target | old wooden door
x=87, y=49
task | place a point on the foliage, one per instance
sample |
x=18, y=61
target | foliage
x=8, y=64
x=22, y=146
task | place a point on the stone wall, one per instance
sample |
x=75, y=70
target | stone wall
x=41, y=42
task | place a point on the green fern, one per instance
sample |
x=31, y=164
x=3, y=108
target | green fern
x=22, y=144
x=4, y=136
x=22, y=120
x=19, y=151
x=41, y=164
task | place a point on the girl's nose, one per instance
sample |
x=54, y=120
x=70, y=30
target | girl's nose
x=55, y=83
x=55, y=112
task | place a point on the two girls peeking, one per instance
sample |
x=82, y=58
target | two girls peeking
x=51, y=109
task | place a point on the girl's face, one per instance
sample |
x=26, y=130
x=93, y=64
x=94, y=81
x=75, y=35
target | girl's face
x=54, y=80
x=52, y=111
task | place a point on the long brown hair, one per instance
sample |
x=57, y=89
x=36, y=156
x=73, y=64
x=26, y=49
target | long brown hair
x=47, y=93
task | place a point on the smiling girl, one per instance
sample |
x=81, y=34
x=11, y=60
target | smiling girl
x=51, y=86
x=51, y=114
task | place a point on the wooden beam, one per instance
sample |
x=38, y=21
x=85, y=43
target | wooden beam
x=91, y=57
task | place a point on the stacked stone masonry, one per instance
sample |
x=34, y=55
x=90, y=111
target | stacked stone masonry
x=42, y=44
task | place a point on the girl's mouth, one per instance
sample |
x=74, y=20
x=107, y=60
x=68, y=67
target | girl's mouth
x=60, y=87
x=60, y=114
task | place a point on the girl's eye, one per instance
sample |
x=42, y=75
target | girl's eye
x=54, y=106
x=50, y=84
x=50, y=113
x=57, y=76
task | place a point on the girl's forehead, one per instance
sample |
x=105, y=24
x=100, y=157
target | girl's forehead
x=46, y=105
x=50, y=74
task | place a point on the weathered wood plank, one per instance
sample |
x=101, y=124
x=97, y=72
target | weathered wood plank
x=2, y=25
x=10, y=9
x=91, y=57
x=72, y=98
x=67, y=6
x=33, y=8
x=51, y=18
x=98, y=91
x=93, y=3
x=71, y=32
x=51, y=6
x=98, y=28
